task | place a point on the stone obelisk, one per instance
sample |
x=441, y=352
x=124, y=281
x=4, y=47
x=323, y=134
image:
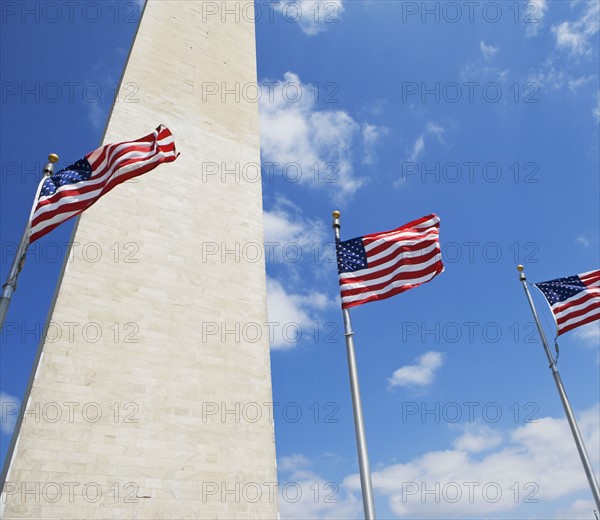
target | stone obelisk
x=152, y=392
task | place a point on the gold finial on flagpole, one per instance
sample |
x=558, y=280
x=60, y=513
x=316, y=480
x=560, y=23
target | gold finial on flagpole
x=49, y=168
x=336, y=223
x=520, y=268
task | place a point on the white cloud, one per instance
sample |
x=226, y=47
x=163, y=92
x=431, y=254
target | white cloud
x=313, y=16
x=102, y=81
x=291, y=463
x=291, y=316
x=96, y=114
x=417, y=148
x=596, y=109
x=437, y=131
x=533, y=16
x=575, y=36
x=540, y=457
x=371, y=134
x=419, y=374
x=479, y=477
x=575, y=83
x=548, y=74
x=553, y=75
x=289, y=235
x=9, y=411
x=419, y=145
x=589, y=336
x=488, y=50
x=376, y=107
x=306, y=494
x=289, y=239
x=477, y=438
x=578, y=510
x=293, y=131
x=582, y=241
x=481, y=69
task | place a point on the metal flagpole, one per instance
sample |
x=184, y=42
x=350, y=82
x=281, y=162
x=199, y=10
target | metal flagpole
x=359, y=426
x=10, y=286
x=589, y=472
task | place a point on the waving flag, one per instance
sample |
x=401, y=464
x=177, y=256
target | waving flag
x=574, y=300
x=71, y=191
x=380, y=265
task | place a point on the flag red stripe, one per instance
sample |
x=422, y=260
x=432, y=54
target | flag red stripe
x=590, y=277
x=389, y=294
x=395, y=249
x=412, y=275
x=412, y=253
x=382, y=273
x=579, y=312
x=589, y=319
x=580, y=299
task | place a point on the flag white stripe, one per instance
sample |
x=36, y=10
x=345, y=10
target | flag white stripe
x=577, y=319
x=347, y=285
x=388, y=288
x=590, y=274
x=61, y=217
x=346, y=278
x=413, y=239
x=391, y=253
x=65, y=202
x=576, y=297
x=560, y=313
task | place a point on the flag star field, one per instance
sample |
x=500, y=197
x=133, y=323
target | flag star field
x=351, y=255
x=575, y=300
x=484, y=114
x=561, y=289
x=79, y=171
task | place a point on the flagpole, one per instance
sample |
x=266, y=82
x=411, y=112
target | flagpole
x=359, y=426
x=589, y=472
x=10, y=286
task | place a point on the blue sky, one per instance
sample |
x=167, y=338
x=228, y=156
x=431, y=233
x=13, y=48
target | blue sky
x=485, y=113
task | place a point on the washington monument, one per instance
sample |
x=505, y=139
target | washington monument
x=164, y=409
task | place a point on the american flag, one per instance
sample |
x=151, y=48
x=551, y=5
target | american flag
x=380, y=265
x=71, y=191
x=574, y=300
